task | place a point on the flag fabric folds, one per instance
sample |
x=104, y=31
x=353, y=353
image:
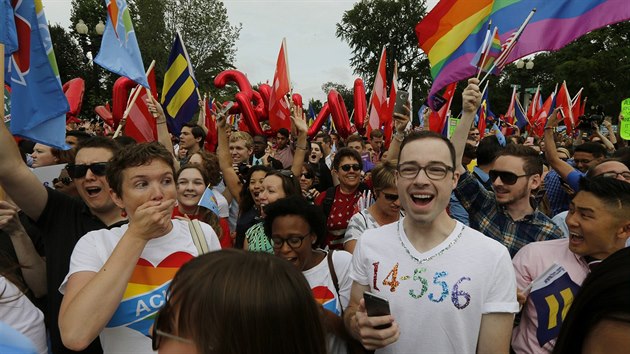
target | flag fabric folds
x=489, y=52
x=378, y=101
x=180, y=97
x=212, y=138
x=39, y=106
x=437, y=119
x=563, y=99
x=8, y=34
x=540, y=120
x=534, y=105
x=552, y=295
x=576, y=106
x=119, y=51
x=209, y=201
x=141, y=124
x=521, y=118
x=453, y=31
x=279, y=114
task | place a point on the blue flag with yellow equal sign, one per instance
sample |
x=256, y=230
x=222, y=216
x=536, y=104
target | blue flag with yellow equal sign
x=552, y=294
x=179, y=92
x=209, y=201
x=38, y=104
x=119, y=51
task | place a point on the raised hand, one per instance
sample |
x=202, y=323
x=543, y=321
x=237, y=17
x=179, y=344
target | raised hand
x=152, y=219
x=471, y=97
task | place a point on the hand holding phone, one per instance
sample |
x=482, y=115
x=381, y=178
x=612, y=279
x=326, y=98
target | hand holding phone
x=376, y=306
x=402, y=99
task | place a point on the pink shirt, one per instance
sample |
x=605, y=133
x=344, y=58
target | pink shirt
x=532, y=260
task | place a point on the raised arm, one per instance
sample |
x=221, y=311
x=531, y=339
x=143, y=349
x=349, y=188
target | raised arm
x=400, y=124
x=471, y=99
x=609, y=141
x=230, y=178
x=18, y=181
x=164, y=137
x=298, y=119
x=561, y=167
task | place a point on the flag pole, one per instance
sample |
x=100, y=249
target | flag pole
x=518, y=34
x=486, y=46
x=136, y=93
x=2, y=82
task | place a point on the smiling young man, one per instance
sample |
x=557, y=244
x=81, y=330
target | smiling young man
x=450, y=289
x=191, y=138
x=599, y=225
x=507, y=214
x=63, y=218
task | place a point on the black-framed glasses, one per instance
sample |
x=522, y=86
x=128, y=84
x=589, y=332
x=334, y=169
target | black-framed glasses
x=79, y=171
x=625, y=175
x=434, y=171
x=65, y=180
x=353, y=166
x=157, y=333
x=508, y=178
x=293, y=241
x=390, y=197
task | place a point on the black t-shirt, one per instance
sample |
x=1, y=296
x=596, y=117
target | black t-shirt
x=244, y=222
x=64, y=221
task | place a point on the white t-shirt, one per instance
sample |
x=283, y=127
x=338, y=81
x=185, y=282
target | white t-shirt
x=358, y=223
x=323, y=288
x=17, y=311
x=437, y=303
x=128, y=329
x=224, y=207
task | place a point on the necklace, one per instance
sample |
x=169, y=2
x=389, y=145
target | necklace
x=422, y=261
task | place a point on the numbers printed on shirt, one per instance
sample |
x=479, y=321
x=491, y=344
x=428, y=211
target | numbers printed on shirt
x=438, y=291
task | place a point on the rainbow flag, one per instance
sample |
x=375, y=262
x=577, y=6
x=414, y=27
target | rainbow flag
x=452, y=33
x=488, y=53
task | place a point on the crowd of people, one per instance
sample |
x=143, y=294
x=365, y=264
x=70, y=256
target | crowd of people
x=270, y=244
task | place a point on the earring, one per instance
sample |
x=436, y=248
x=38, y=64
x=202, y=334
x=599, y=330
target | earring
x=123, y=213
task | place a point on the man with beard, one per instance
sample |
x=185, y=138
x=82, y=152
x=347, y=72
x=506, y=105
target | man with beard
x=507, y=214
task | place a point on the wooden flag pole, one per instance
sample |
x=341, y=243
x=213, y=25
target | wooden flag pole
x=136, y=93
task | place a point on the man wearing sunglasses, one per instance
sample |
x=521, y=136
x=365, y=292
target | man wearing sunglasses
x=450, y=289
x=63, y=219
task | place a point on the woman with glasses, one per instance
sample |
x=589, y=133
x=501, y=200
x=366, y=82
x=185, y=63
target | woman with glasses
x=295, y=229
x=275, y=186
x=340, y=203
x=118, y=276
x=307, y=180
x=236, y=302
x=385, y=209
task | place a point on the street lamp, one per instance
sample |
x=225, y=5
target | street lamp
x=527, y=65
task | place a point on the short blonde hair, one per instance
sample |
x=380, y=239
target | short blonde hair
x=239, y=135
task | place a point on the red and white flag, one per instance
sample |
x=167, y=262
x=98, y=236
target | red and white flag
x=563, y=99
x=576, y=105
x=140, y=123
x=279, y=113
x=387, y=119
x=378, y=101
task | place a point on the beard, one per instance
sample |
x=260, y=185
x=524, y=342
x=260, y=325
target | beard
x=515, y=195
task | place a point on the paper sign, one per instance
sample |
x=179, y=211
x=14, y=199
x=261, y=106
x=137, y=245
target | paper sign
x=46, y=174
x=452, y=124
x=624, y=125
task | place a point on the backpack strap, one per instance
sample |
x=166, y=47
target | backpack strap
x=333, y=275
x=329, y=199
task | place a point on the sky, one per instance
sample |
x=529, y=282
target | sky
x=315, y=55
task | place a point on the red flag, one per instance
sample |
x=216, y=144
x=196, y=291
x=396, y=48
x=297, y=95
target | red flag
x=583, y=108
x=140, y=123
x=534, y=105
x=378, y=101
x=212, y=138
x=564, y=100
x=541, y=117
x=391, y=102
x=510, y=111
x=576, y=105
x=279, y=114
x=437, y=120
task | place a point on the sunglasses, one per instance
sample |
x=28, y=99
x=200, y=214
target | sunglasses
x=508, y=178
x=79, y=171
x=307, y=175
x=390, y=197
x=65, y=180
x=354, y=167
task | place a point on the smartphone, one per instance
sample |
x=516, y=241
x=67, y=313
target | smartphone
x=226, y=108
x=401, y=100
x=376, y=306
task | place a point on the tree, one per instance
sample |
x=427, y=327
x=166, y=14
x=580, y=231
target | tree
x=372, y=24
x=153, y=38
x=68, y=54
x=209, y=38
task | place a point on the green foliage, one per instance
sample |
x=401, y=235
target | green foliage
x=210, y=39
x=68, y=53
x=154, y=41
x=372, y=24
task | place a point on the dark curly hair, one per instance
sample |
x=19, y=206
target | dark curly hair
x=296, y=205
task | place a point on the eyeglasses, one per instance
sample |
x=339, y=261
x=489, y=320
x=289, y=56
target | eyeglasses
x=508, y=178
x=625, y=175
x=354, y=167
x=293, y=242
x=435, y=171
x=390, y=197
x=156, y=336
x=79, y=171
x=65, y=180
x=307, y=175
